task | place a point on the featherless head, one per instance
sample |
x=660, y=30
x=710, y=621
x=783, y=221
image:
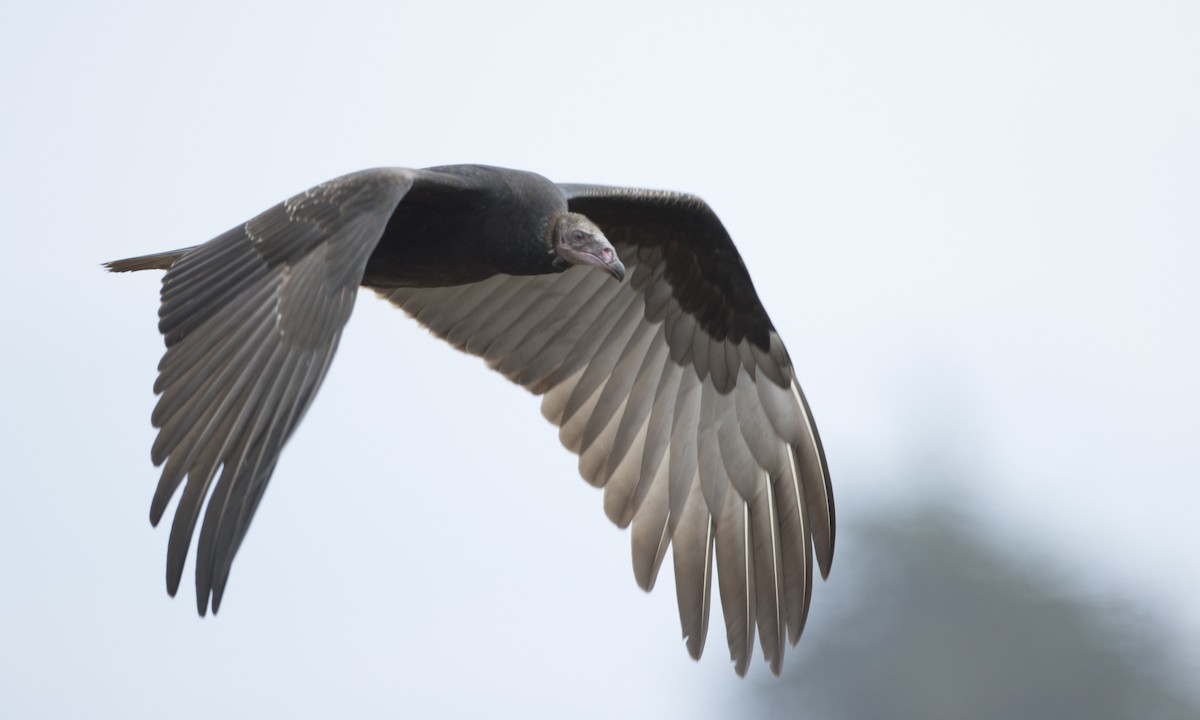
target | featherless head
x=577, y=241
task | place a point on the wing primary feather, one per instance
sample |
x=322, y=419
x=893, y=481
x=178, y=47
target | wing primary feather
x=224, y=421
x=286, y=418
x=199, y=477
x=772, y=626
x=818, y=490
x=180, y=409
x=764, y=444
x=184, y=524
x=224, y=330
x=168, y=482
x=207, y=268
x=794, y=540
x=740, y=466
x=780, y=407
x=186, y=307
x=235, y=467
x=735, y=575
x=692, y=543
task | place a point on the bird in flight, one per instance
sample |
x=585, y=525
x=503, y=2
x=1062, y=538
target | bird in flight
x=629, y=311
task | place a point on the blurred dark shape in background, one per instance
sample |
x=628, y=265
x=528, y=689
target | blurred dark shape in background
x=937, y=620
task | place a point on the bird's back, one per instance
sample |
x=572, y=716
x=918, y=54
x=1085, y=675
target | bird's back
x=464, y=223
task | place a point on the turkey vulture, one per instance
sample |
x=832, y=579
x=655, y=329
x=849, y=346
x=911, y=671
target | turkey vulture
x=663, y=372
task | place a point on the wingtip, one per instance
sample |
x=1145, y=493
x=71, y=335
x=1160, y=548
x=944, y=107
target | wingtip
x=794, y=632
x=824, y=565
x=825, y=559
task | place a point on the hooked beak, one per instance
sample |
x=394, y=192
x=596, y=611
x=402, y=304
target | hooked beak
x=615, y=268
x=596, y=251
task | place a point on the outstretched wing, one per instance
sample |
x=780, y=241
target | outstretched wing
x=251, y=320
x=679, y=398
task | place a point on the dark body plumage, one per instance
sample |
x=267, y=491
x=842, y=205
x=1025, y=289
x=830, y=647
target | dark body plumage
x=464, y=224
x=672, y=386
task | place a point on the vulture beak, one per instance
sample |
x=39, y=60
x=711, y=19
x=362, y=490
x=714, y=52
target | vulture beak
x=601, y=254
x=615, y=268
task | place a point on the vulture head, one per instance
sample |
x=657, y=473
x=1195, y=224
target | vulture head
x=577, y=241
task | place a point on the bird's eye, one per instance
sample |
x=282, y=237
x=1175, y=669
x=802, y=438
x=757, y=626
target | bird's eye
x=578, y=234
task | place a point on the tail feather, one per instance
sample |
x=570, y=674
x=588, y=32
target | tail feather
x=157, y=261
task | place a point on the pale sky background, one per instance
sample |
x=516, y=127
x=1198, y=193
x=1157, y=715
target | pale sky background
x=977, y=229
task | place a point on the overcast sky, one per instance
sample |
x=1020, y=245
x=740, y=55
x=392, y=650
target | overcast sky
x=976, y=229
